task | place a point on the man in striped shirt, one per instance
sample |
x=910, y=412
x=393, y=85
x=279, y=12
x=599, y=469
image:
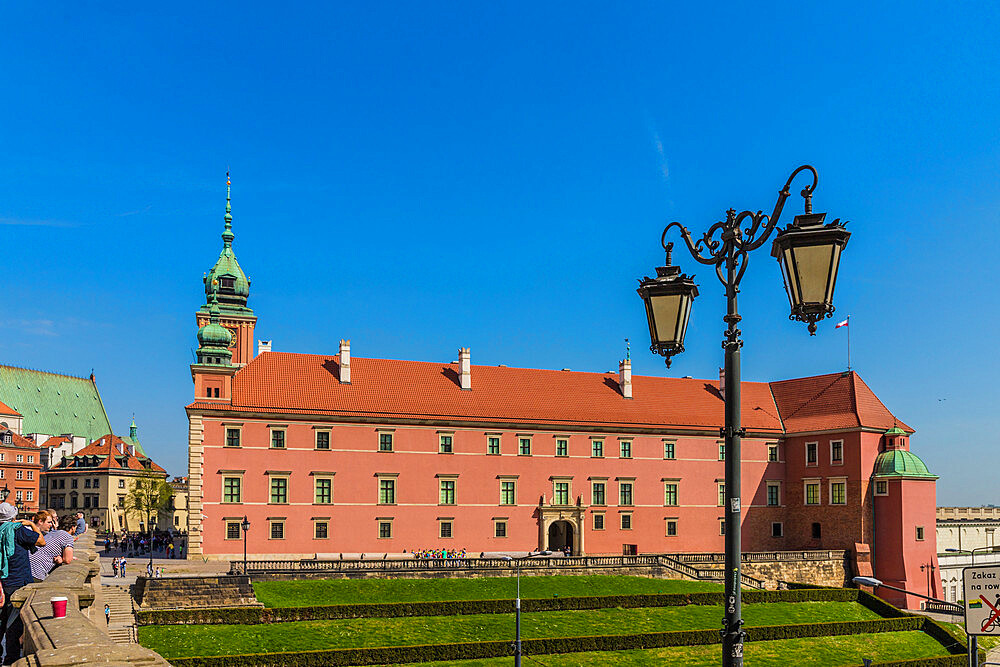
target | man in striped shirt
x=58, y=547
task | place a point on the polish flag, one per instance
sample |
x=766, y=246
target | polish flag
x=843, y=324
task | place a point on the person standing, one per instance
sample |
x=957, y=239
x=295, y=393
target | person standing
x=107, y=613
x=121, y=567
x=58, y=547
x=16, y=539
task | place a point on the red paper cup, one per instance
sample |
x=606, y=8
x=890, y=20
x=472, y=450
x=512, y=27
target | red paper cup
x=59, y=607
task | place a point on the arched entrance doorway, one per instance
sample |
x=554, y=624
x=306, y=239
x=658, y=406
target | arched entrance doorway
x=560, y=535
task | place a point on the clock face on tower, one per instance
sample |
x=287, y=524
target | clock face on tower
x=232, y=340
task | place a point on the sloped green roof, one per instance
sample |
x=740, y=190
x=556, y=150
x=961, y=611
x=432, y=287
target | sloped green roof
x=895, y=430
x=901, y=463
x=54, y=404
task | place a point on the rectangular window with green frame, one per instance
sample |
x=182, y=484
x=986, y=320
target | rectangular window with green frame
x=562, y=447
x=231, y=489
x=670, y=494
x=524, y=446
x=493, y=445
x=508, y=493
x=626, y=449
x=232, y=437
x=597, y=493
x=625, y=493
x=279, y=490
x=324, y=491
x=597, y=448
x=447, y=492
x=669, y=449
x=277, y=438
x=561, y=496
x=387, y=492
x=385, y=442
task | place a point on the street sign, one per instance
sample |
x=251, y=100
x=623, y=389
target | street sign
x=982, y=599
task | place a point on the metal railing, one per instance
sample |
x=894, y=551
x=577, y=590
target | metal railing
x=762, y=556
x=438, y=564
x=483, y=564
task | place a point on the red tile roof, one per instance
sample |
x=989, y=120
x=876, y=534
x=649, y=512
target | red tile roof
x=383, y=388
x=17, y=440
x=106, y=448
x=826, y=402
x=55, y=441
x=7, y=410
x=283, y=382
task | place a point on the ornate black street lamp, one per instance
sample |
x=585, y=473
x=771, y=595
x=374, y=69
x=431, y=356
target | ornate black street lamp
x=809, y=254
x=246, y=527
x=4, y=492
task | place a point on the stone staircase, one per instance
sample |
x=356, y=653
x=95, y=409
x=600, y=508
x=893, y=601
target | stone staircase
x=194, y=592
x=122, y=628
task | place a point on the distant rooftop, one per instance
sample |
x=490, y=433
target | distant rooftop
x=53, y=403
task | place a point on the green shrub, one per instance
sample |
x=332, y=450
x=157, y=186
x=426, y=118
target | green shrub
x=495, y=649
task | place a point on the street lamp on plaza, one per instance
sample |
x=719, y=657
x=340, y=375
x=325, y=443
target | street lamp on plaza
x=245, y=525
x=4, y=492
x=517, y=602
x=808, y=251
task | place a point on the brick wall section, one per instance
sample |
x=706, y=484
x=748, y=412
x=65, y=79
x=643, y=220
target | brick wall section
x=196, y=456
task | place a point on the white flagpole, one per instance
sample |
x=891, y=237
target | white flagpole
x=848, y=342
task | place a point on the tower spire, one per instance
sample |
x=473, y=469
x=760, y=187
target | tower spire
x=227, y=235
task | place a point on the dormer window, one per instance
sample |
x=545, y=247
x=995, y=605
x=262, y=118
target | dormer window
x=7, y=439
x=227, y=284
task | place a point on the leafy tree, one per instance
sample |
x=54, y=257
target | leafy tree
x=148, y=494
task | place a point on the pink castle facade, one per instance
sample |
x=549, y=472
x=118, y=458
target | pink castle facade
x=328, y=454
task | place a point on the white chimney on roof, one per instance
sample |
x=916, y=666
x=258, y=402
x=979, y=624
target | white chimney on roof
x=465, y=368
x=625, y=377
x=345, y=361
x=263, y=346
x=722, y=382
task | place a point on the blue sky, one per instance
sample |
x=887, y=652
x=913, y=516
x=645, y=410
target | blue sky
x=423, y=176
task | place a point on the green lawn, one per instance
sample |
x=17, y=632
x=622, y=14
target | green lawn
x=828, y=651
x=347, y=591
x=178, y=641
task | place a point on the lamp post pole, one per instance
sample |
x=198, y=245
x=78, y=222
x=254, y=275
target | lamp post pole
x=809, y=253
x=246, y=527
x=517, y=601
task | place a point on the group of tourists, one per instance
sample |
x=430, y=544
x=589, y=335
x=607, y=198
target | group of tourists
x=29, y=550
x=444, y=554
x=136, y=544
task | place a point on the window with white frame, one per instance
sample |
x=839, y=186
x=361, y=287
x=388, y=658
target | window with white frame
x=837, y=452
x=626, y=449
x=493, y=445
x=772, y=452
x=445, y=444
x=508, y=491
x=722, y=493
x=562, y=447
x=670, y=449
x=812, y=458
x=671, y=527
x=811, y=492
x=773, y=494
x=385, y=441
x=598, y=492
x=838, y=491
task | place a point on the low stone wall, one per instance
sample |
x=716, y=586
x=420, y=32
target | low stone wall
x=192, y=592
x=81, y=637
x=820, y=568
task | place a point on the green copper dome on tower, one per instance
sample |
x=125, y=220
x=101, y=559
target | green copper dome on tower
x=226, y=279
x=214, y=339
x=901, y=463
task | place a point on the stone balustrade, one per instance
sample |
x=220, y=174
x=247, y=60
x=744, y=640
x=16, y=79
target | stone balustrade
x=81, y=637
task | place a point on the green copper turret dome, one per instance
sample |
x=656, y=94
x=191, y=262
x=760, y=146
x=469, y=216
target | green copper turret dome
x=214, y=339
x=901, y=463
x=226, y=279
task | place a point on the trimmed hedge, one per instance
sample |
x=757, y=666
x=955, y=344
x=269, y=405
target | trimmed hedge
x=878, y=605
x=496, y=649
x=259, y=615
x=939, y=661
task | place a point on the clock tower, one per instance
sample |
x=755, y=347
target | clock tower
x=228, y=287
